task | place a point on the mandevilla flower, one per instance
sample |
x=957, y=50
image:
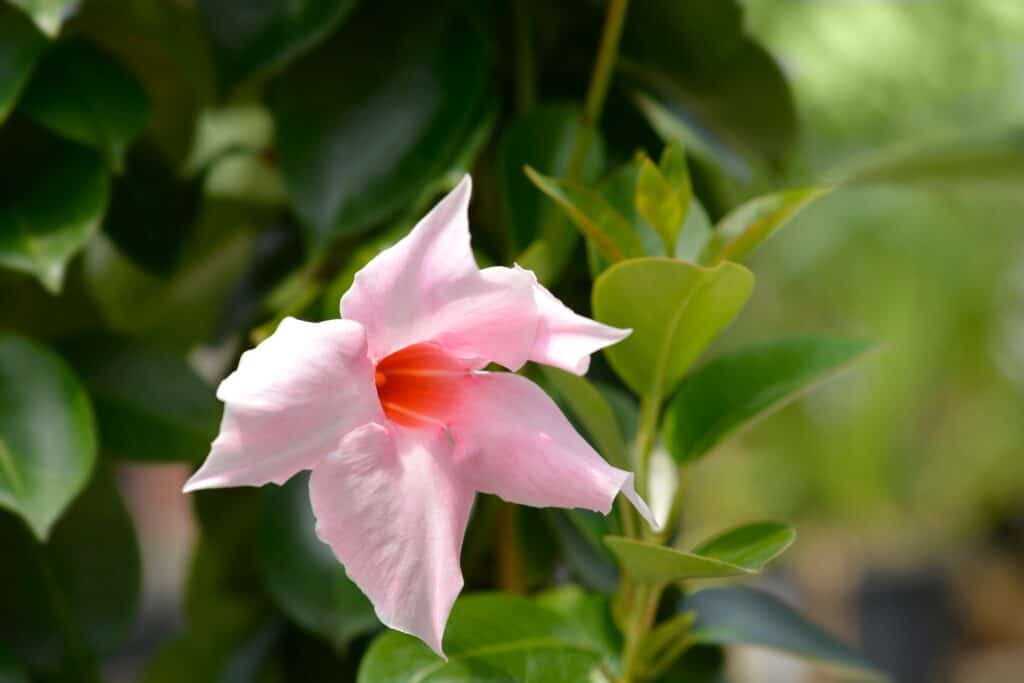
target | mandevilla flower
x=391, y=410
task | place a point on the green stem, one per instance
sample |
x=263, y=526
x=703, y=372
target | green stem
x=511, y=575
x=645, y=605
x=526, y=71
x=650, y=408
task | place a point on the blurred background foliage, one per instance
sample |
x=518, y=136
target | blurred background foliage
x=180, y=175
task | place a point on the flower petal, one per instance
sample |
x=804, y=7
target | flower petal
x=427, y=288
x=513, y=441
x=565, y=339
x=289, y=403
x=394, y=512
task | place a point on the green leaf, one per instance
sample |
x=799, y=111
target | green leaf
x=751, y=546
x=579, y=534
x=255, y=37
x=989, y=159
x=605, y=227
x=48, y=14
x=10, y=671
x=699, y=664
x=740, y=386
x=150, y=405
x=663, y=193
x=740, y=551
x=303, y=576
x=21, y=45
x=224, y=655
x=47, y=437
x=674, y=308
x=589, y=612
x=728, y=90
x=74, y=599
x=741, y=615
x=745, y=227
x=489, y=637
x=351, y=158
x=39, y=235
x=542, y=139
x=87, y=96
x=594, y=413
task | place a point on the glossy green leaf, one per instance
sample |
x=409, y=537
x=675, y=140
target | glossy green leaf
x=21, y=45
x=488, y=637
x=254, y=37
x=740, y=551
x=302, y=574
x=351, y=157
x=740, y=386
x=150, y=405
x=542, y=139
x=711, y=85
x=83, y=94
x=47, y=437
x=742, y=615
x=37, y=234
x=674, y=308
x=663, y=193
x=48, y=15
x=594, y=413
x=605, y=227
x=745, y=227
x=75, y=598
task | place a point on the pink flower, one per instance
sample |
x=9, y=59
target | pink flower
x=391, y=410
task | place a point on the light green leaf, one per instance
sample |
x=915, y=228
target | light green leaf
x=39, y=235
x=150, y=404
x=351, y=158
x=48, y=15
x=605, y=227
x=745, y=227
x=302, y=574
x=741, y=551
x=47, y=437
x=593, y=412
x=255, y=37
x=87, y=96
x=542, y=139
x=488, y=637
x=663, y=193
x=741, y=615
x=740, y=386
x=21, y=45
x=674, y=308
x=71, y=601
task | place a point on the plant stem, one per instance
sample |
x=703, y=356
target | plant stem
x=645, y=604
x=511, y=577
x=526, y=76
x=650, y=407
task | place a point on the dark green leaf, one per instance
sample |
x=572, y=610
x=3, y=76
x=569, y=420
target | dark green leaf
x=255, y=37
x=47, y=437
x=745, y=227
x=742, y=615
x=542, y=139
x=727, y=89
x=48, y=15
x=39, y=235
x=579, y=533
x=700, y=664
x=85, y=95
x=744, y=550
x=21, y=45
x=605, y=227
x=740, y=386
x=488, y=638
x=593, y=412
x=352, y=158
x=304, y=577
x=10, y=671
x=150, y=405
x=74, y=599
x=228, y=654
x=674, y=308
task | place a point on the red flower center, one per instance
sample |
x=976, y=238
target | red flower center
x=419, y=385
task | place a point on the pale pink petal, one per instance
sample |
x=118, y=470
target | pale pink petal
x=289, y=403
x=513, y=441
x=427, y=288
x=565, y=339
x=394, y=512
